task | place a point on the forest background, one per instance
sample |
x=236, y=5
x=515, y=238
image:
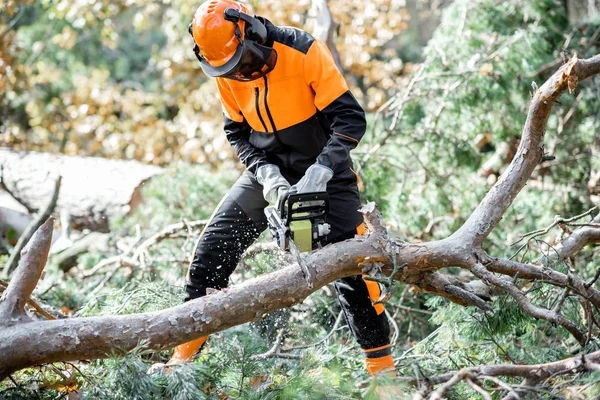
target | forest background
x=446, y=85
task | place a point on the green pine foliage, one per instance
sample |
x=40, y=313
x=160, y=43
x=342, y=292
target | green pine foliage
x=476, y=80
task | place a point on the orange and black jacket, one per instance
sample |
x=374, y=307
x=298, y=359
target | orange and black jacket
x=299, y=113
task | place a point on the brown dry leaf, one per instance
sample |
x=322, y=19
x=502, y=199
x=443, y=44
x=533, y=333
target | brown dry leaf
x=486, y=69
x=208, y=388
x=65, y=385
x=257, y=382
x=482, y=139
x=315, y=373
x=66, y=310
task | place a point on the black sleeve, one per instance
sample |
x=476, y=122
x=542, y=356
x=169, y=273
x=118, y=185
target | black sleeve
x=238, y=134
x=348, y=125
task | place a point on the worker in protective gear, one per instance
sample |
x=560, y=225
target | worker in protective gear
x=292, y=121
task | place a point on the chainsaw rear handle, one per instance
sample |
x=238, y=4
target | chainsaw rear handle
x=302, y=206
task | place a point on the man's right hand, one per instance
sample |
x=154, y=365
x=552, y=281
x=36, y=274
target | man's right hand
x=274, y=184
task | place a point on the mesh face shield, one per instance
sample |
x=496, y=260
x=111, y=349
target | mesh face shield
x=249, y=62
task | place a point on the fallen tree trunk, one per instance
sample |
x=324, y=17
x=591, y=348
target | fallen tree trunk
x=24, y=343
x=85, y=338
x=93, y=189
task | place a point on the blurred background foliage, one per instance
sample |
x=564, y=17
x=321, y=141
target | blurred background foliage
x=118, y=79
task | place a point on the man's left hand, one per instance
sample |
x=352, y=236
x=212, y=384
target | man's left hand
x=314, y=180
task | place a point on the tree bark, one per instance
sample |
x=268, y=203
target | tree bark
x=16, y=295
x=582, y=10
x=325, y=29
x=93, y=189
x=31, y=228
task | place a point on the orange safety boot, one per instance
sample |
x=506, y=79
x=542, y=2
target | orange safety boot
x=379, y=364
x=187, y=352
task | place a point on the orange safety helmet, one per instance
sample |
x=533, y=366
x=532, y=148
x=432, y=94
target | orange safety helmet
x=214, y=35
x=229, y=42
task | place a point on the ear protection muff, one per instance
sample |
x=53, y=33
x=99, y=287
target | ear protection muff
x=255, y=30
x=251, y=59
x=196, y=48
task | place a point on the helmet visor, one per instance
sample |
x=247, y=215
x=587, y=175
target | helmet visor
x=249, y=62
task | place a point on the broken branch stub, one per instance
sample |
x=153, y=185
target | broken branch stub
x=373, y=219
x=27, y=275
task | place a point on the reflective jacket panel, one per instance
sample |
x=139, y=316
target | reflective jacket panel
x=299, y=113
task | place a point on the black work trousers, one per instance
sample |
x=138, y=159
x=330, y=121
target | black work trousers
x=239, y=219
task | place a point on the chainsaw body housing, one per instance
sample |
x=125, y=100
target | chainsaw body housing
x=300, y=218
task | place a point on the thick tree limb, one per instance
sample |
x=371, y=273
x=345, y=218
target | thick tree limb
x=16, y=295
x=83, y=338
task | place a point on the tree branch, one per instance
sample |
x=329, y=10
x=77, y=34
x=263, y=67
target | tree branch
x=531, y=373
x=558, y=220
x=96, y=337
x=540, y=273
x=584, y=362
x=578, y=240
x=274, y=351
x=529, y=154
x=14, y=21
x=453, y=289
x=166, y=233
x=536, y=312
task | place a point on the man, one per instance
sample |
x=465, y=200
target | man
x=292, y=121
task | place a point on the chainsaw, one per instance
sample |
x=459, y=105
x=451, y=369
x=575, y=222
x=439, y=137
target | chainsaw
x=298, y=224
